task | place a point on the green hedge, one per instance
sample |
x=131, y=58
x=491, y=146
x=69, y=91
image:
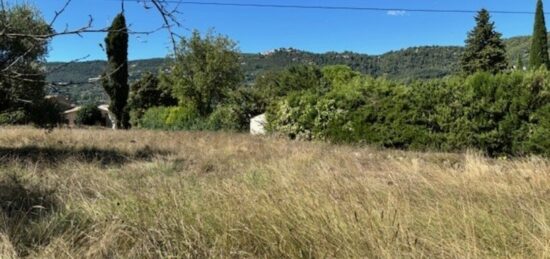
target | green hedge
x=186, y=117
x=498, y=114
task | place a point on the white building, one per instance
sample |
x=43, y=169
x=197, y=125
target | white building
x=108, y=117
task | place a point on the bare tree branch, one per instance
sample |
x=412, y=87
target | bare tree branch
x=168, y=16
x=58, y=13
x=162, y=6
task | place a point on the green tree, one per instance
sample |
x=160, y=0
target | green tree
x=21, y=59
x=115, y=79
x=147, y=93
x=89, y=115
x=539, y=47
x=205, y=71
x=485, y=51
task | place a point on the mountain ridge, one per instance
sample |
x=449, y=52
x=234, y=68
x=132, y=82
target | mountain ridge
x=418, y=62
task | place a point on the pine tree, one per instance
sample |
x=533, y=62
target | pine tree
x=485, y=50
x=115, y=79
x=539, y=47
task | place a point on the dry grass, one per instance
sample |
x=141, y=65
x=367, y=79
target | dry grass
x=141, y=194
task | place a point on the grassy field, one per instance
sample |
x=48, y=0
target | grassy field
x=142, y=194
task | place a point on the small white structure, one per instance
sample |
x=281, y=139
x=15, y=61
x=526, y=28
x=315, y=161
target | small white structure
x=257, y=125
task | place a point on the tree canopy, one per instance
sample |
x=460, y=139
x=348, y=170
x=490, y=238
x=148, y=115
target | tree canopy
x=21, y=58
x=115, y=79
x=538, y=55
x=205, y=70
x=485, y=51
x=147, y=93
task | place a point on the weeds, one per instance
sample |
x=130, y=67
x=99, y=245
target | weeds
x=230, y=195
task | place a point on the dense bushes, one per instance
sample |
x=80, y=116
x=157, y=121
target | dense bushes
x=41, y=113
x=500, y=114
x=186, y=117
x=145, y=93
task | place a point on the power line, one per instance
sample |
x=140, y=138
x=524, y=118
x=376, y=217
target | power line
x=343, y=8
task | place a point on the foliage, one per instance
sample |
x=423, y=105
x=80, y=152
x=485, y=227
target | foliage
x=205, y=70
x=338, y=74
x=538, y=138
x=182, y=117
x=407, y=64
x=21, y=58
x=115, y=78
x=497, y=114
x=146, y=93
x=538, y=55
x=226, y=117
x=485, y=50
x=89, y=115
x=294, y=115
x=154, y=118
x=248, y=101
x=47, y=114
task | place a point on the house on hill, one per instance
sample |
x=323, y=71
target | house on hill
x=71, y=110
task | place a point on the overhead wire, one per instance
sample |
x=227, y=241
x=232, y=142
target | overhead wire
x=328, y=7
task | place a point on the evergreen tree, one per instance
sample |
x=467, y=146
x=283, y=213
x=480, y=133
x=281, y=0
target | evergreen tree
x=485, y=50
x=115, y=79
x=539, y=46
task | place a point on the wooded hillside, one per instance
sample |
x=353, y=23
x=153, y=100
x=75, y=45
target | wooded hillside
x=407, y=64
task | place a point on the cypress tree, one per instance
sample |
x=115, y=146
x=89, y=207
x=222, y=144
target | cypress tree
x=485, y=50
x=539, y=47
x=115, y=79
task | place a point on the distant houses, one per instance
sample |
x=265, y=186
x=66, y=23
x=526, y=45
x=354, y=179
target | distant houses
x=71, y=111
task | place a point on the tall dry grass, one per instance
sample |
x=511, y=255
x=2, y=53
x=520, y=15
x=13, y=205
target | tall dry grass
x=144, y=194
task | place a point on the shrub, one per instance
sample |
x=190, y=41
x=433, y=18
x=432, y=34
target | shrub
x=145, y=93
x=14, y=116
x=47, y=114
x=183, y=117
x=538, y=141
x=226, y=117
x=294, y=116
x=154, y=118
x=89, y=115
x=499, y=114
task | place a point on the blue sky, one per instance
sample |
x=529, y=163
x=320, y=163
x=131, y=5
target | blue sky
x=258, y=29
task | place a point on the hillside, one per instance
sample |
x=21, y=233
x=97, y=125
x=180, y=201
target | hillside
x=406, y=64
x=412, y=63
x=73, y=79
x=145, y=194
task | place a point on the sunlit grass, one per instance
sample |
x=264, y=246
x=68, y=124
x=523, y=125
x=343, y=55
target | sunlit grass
x=184, y=194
